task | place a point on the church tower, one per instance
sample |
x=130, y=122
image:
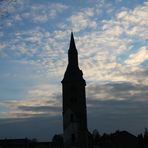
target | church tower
x=74, y=102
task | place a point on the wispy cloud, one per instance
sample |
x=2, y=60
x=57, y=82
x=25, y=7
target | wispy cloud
x=103, y=51
x=108, y=53
x=82, y=20
x=27, y=108
x=43, y=100
x=118, y=91
x=40, y=13
x=111, y=38
x=139, y=57
x=135, y=22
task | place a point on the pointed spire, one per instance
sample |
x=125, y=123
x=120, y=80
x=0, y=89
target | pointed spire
x=73, y=73
x=72, y=52
x=72, y=42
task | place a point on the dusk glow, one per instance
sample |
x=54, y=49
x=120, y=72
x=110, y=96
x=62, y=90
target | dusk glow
x=111, y=37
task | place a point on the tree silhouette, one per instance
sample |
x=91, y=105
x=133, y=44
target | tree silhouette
x=96, y=137
x=57, y=139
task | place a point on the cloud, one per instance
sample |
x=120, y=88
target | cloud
x=105, y=51
x=42, y=14
x=112, y=47
x=16, y=13
x=119, y=105
x=45, y=91
x=57, y=8
x=137, y=76
x=102, y=52
x=29, y=108
x=10, y=12
x=2, y=46
x=139, y=57
x=40, y=18
x=40, y=108
x=135, y=22
x=117, y=91
x=135, y=17
x=42, y=100
x=103, y=112
x=82, y=20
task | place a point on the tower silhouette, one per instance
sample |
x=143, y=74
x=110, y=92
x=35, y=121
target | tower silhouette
x=74, y=102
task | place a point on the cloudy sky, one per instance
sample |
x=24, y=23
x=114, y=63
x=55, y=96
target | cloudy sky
x=112, y=41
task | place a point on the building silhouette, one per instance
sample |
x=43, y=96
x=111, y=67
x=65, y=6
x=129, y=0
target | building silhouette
x=74, y=102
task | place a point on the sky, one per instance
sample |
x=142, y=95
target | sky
x=111, y=37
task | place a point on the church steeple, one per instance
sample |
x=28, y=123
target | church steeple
x=74, y=102
x=72, y=53
x=73, y=73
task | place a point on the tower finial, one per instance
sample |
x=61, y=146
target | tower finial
x=72, y=42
